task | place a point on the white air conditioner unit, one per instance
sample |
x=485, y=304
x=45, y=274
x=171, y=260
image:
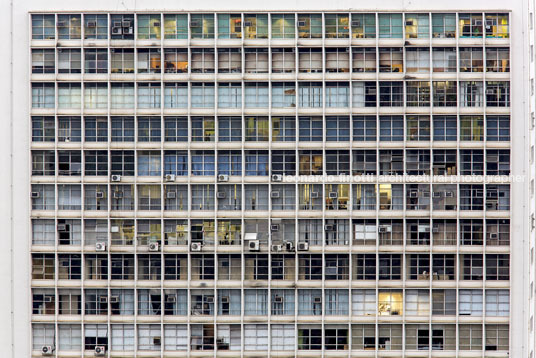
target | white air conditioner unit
x=289, y=246
x=118, y=194
x=35, y=195
x=117, y=24
x=223, y=178
x=47, y=350
x=91, y=24
x=154, y=247
x=99, y=195
x=171, y=194
x=100, y=246
x=100, y=351
x=171, y=299
x=221, y=195
x=47, y=299
x=128, y=30
x=329, y=227
x=117, y=30
x=301, y=23
x=490, y=91
x=274, y=227
x=449, y=194
x=209, y=299
x=254, y=245
x=436, y=194
x=314, y=194
x=435, y=228
x=169, y=177
x=413, y=194
x=278, y=299
x=274, y=194
x=277, y=248
x=114, y=228
x=114, y=299
x=384, y=228
x=195, y=246
x=493, y=235
x=116, y=178
x=333, y=195
x=63, y=227
x=103, y=299
x=424, y=228
x=225, y=299
x=303, y=246
x=277, y=177
x=317, y=300
x=125, y=23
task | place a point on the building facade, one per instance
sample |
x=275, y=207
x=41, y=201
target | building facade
x=274, y=183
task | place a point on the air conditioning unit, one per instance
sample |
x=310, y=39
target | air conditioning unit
x=289, y=246
x=247, y=23
x=117, y=30
x=171, y=299
x=317, y=300
x=436, y=194
x=223, y=178
x=315, y=194
x=154, y=247
x=209, y=299
x=384, y=228
x=100, y=351
x=412, y=194
x=254, y=245
x=333, y=195
x=100, y=246
x=114, y=229
x=221, y=195
x=274, y=194
x=63, y=227
x=169, y=177
x=274, y=227
x=114, y=299
x=277, y=177
x=356, y=23
x=277, y=248
x=117, y=24
x=301, y=23
x=47, y=350
x=329, y=227
x=195, y=247
x=225, y=299
x=409, y=23
x=171, y=194
x=157, y=341
x=91, y=24
x=118, y=194
x=116, y=178
x=35, y=195
x=490, y=91
x=449, y=194
x=128, y=30
x=156, y=24
x=99, y=195
x=48, y=299
x=103, y=299
x=278, y=299
x=125, y=23
x=435, y=228
x=424, y=228
x=303, y=246
x=493, y=235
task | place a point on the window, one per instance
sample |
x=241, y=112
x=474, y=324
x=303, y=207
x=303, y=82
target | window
x=283, y=26
x=445, y=93
x=282, y=302
x=283, y=337
x=256, y=60
x=471, y=197
x=42, y=335
x=471, y=162
x=497, y=94
x=176, y=198
x=176, y=26
x=149, y=163
x=390, y=302
x=176, y=162
x=69, y=129
x=498, y=162
x=43, y=162
x=470, y=302
x=497, y=303
x=364, y=264
x=497, y=267
x=417, y=302
x=443, y=25
x=497, y=25
x=122, y=60
x=149, y=95
x=229, y=162
x=69, y=337
x=229, y=60
x=122, y=129
x=201, y=337
x=418, y=94
x=283, y=94
x=392, y=94
x=336, y=337
x=43, y=95
x=256, y=337
x=229, y=26
x=202, y=26
x=390, y=266
x=472, y=94
x=95, y=26
x=256, y=162
x=43, y=129
x=203, y=129
x=96, y=60
x=96, y=162
x=443, y=302
x=497, y=59
x=69, y=162
x=43, y=61
x=417, y=59
x=470, y=337
x=337, y=25
x=391, y=162
x=202, y=162
x=122, y=95
x=43, y=232
x=337, y=129
x=149, y=60
x=390, y=26
x=391, y=128
x=337, y=162
x=69, y=27
x=43, y=27
x=391, y=59
x=283, y=162
x=471, y=128
x=337, y=94
x=363, y=59
x=363, y=26
x=146, y=337
x=230, y=95
x=256, y=302
x=283, y=60
x=122, y=337
x=95, y=95
x=175, y=95
x=445, y=128
x=45, y=199
x=310, y=60
x=149, y=27
x=202, y=95
x=310, y=94
x=256, y=95
x=417, y=26
x=444, y=59
x=149, y=129
x=175, y=60
x=310, y=26
x=336, y=302
x=418, y=128
x=337, y=59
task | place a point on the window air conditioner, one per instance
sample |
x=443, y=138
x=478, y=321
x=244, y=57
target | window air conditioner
x=314, y=195
x=47, y=350
x=277, y=177
x=278, y=299
x=209, y=299
x=329, y=227
x=114, y=229
x=225, y=299
x=153, y=246
x=117, y=30
x=156, y=24
x=274, y=195
x=436, y=194
x=116, y=178
x=409, y=23
x=100, y=351
x=128, y=31
x=301, y=23
x=223, y=178
x=118, y=194
x=317, y=300
x=221, y=195
x=289, y=246
x=493, y=235
x=490, y=91
x=435, y=228
x=449, y=194
x=333, y=195
x=195, y=246
x=171, y=299
x=100, y=246
x=63, y=227
x=413, y=194
x=103, y=299
x=171, y=195
x=274, y=227
x=35, y=195
x=303, y=246
x=91, y=24
x=125, y=23
x=384, y=228
x=114, y=299
x=254, y=245
x=277, y=248
x=99, y=195
x=169, y=177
